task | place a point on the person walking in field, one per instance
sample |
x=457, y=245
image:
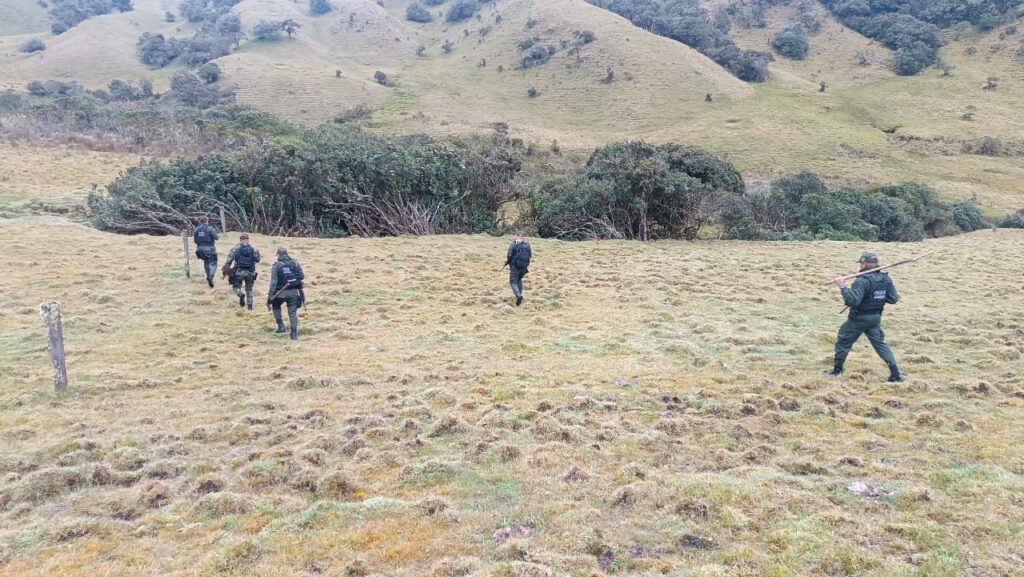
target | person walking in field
x=206, y=237
x=518, y=262
x=244, y=257
x=286, y=278
x=866, y=299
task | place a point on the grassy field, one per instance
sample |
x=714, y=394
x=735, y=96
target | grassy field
x=651, y=409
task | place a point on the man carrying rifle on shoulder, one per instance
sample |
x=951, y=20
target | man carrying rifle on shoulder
x=866, y=300
x=286, y=288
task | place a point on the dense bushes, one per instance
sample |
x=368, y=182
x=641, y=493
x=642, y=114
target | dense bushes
x=219, y=33
x=1015, y=220
x=67, y=14
x=319, y=7
x=417, y=13
x=802, y=207
x=462, y=10
x=191, y=117
x=30, y=46
x=912, y=27
x=635, y=190
x=792, y=42
x=327, y=181
x=688, y=22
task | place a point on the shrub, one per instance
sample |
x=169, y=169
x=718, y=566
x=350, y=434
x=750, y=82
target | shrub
x=34, y=45
x=325, y=181
x=266, y=30
x=990, y=146
x=792, y=42
x=190, y=90
x=319, y=7
x=537, y=56
x=1015, y=220
x=634, y=190
x=532, y=92
x=967, y=217
x=209, y=72
x=462, y=10
x=417, y=13
x=155, y=51
x=382, y=78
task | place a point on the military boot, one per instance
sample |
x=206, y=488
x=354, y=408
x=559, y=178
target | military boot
x=894, y=374
x=280, y=328
x=835, y=372
x=241, y=300
x=295, y=334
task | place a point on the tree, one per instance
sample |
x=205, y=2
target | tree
x=290, y=27
x=990, y=146
x=417, y=13
x=319, y=7
x=193, y=10
x=792, y=42
x=266, y=30
x=190, y=90
x=209, y=72
x=462, y=10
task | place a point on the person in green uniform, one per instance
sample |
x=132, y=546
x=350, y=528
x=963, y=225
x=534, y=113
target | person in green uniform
x=866, y=299
x=286, y=278
x=244, y=256
x=206, y=238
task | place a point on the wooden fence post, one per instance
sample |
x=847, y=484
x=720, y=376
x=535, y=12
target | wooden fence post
x=223, y=221
x=184, y=240
x=55, y=335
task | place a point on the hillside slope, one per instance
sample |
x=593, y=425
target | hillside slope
x=658, y=89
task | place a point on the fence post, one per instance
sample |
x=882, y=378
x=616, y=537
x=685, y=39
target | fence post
x=55, y=336
x=184, y=240
x=223, y=221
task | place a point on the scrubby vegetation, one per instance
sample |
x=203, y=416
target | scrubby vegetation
x=191, y=116
x=913, y=27
x=801, y=207
x=688, y=22
x=220, y=32
x=67, y=14
x=30, y=46
x=324, y=182
x=417, y=13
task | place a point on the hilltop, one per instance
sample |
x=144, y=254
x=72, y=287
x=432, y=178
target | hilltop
x=869, y=126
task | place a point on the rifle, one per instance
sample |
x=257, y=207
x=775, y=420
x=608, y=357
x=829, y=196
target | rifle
x=881, y=268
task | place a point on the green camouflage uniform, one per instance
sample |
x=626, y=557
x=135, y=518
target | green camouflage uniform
x=859, y=323
x=246, y=277
x=293, y=297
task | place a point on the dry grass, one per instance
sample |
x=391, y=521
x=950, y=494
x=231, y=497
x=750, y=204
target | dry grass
x=36, y=178
x=652, y=409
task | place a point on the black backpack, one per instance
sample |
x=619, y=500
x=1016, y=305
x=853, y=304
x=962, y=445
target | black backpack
x=521, y=256
x=245, y=259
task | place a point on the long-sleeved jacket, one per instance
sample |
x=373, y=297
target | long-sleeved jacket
x=277, y=281
x=205, y=235
x=511, y=258
x=234, y=253
x=854, y=295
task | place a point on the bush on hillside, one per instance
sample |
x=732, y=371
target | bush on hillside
x=801, y=207
x=688, y=22
x=328, y=181
x=968, y=218
x=192, y=91
x=319, y=7
x=792, y=42
x=417, y=13
x=462, y=10
x=1015, y=220
x=209, y=72
x=635, y=190
x=34, y=45
x=67, y=14
x=266, y=30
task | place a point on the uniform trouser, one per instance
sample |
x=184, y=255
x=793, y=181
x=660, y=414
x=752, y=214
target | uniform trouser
x=515, y=280
x=209, y=262
x=293, y=299
x=247, y=278
x=853, y=328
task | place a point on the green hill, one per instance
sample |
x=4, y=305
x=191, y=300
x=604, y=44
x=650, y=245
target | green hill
x=658, y=92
